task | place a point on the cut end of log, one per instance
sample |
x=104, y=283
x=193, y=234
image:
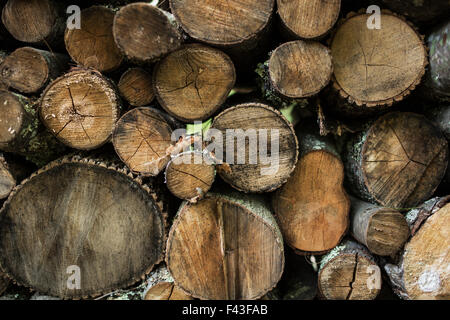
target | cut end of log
x=7, y=181
x=193, y=82
x=189, y=176
x=166, y=291
x=141, y=140
x=80, y=109
x=234, y=242
x=376, y=67
x=144, y=33
x=300, y=69
x=223, y=23
x=93, y=45
x=309, y=19
x=13, y=115
x=136, y=87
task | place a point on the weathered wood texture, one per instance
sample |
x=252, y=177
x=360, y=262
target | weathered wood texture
x=372, y=67
x=145, y=33
x=7, y=179
x=389, y=163
x=312, y=208
x=225, y=247
x=423, y=273
x=247, y=168
x=308, y=19
x=28, y=70
x=80, y=108
x=382, y=230
x=349, y=272
x=142, y=138
x=423, y=11
x=34, y=21
x=21, y=131
x=93, y=45
x=163, y=288
x=189, y=175
x=97, y=218
x=193, y=82
x=136, y=87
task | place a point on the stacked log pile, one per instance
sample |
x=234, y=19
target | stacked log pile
x=258, y=149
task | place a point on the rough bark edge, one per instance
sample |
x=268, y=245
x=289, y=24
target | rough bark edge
x=288, y=125
x=116, y=167
x=252, y=204
x=356, y=103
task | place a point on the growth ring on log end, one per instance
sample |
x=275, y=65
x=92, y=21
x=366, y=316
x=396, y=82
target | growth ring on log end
x=223, y=23
x=225, y=247
x=80, y=109
x=84, y=218
x=375, y=67
x=308, y=19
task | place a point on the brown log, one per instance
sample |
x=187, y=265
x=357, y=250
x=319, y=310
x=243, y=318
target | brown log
x=308, y=19
x=34, y=21
x=193, y=82
x=245, y=168
x=375, y=68
x=136, y=87
x=21, y=131
x=29, y=70
x=398, y=161
x=90, y=219
x=7, y=180
x=145, y=33
x=223, y=23
x=189, y=175
x=141, y=139
x=349, y=272
x=422, y=272
x=382, y=230
x=162, y=287
x=93, y=45
x=235, y=243
x=80, y=109
x=312, y=207
x=4, y=282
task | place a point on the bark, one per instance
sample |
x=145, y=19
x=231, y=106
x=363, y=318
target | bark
x=28, y=70
x=349, y=272
x=312, y=208
x=422, y=271
x=81, y=108
x=22, y=133
x=246, y=168
x=391, y=147
x=193, y=82
x=235, y=241
x=83, y=221
x=383, y=231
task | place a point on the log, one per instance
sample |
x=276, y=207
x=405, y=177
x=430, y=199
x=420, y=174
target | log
x=193, y=82
x=306, y=19
x=375, y=68
x=141, y=139
x=7, y=180
x=391, y=162
x=440, y=115
x=247, y=169
x=296, y=70
x=28, y=70
x=162, y=287
x=312, y=208
x=349, y=272
x=145, y=33
x=190, y=175
x=34, y=21
x=4, y=283
x=422, y=272
x=423, y=12
x=93, y=45
x=382, y=230
x=223, y=23
x=136, y=87
x=225, y=247
x=21, y=131
x=80, y=108
x=87, y=223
